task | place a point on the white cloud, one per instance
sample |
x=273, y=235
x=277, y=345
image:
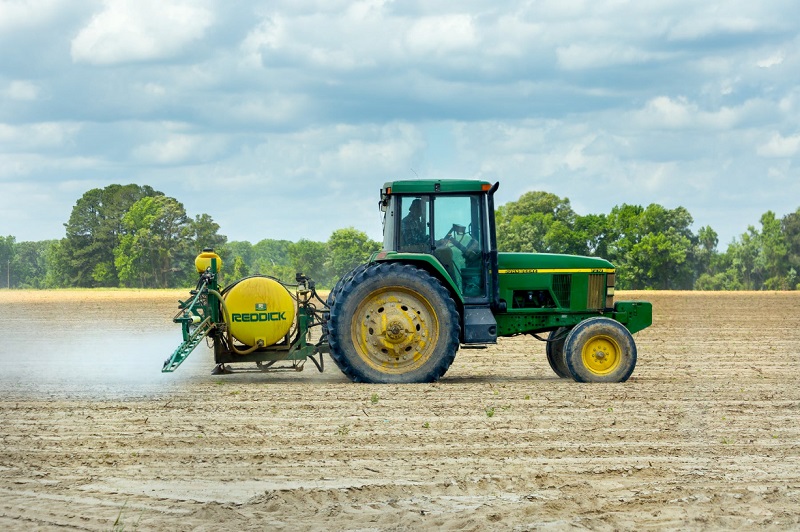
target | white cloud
x=153, y=89
x=41, y=136
x=776, y=59
x=664, y=112
x=392, y=150
x=31, y=165
x=178, y=148
x=140, y=30
x=442, y=35
x=780, y=146
x=16, y=15
x=268, y=34
x=667, y=112
x=713, y=20
x=22, y=90
x=599, y=55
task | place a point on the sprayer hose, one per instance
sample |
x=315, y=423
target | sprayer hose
x=228, y=328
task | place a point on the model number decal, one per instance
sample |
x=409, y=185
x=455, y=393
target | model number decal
x=557, y=270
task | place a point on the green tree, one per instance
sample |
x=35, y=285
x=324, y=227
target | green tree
x=706, y=252
x=272, y=257
x=309, y=257
x=762, y=259
x=744, y=256
x=29, y=265
x=347, y=248
x=6, y=256
x=659, y=261
x=241, y=248
x=539, y=222
x=592, y=233
x=57, y=275
x=240, y=268
x=772, y=260
x=156, y=245
x=790, y=226
x=652, y=247
x=93, y=232
x=715, y=270
x=205, y=233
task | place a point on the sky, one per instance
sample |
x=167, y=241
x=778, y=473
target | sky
x=283, y=119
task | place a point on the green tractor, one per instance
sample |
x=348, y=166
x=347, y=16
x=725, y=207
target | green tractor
x=439, y=283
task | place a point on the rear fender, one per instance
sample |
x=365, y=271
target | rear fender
x=426, y=262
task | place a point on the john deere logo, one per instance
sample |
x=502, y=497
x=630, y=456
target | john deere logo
x=261, y=306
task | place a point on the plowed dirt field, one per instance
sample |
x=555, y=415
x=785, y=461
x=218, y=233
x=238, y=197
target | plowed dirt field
x=705, y=435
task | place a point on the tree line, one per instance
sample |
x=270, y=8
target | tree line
x=134, y=236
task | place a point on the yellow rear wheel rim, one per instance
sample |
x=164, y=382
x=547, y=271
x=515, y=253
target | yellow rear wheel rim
x=395, y=330
x=601, y=355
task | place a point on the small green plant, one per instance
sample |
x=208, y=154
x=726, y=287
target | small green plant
x=374, y=399
x=343, y=430
x=426, y=425
x=119, y=524
x=609, y=409
x=727, y=441
x=527, y=397
x=489, y=411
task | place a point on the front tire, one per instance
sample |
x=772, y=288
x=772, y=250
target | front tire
x=393, y=323
x=555, y=352
x=600, y=350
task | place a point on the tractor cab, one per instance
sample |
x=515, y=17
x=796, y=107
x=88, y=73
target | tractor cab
x=451, y=221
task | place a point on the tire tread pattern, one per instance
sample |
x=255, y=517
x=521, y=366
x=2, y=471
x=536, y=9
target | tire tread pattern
x=339, y=327
x=584, y=331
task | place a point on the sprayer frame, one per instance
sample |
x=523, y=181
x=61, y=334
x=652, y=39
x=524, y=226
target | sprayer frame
x=201, y=316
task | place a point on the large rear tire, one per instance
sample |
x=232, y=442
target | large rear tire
x=393, y=323
x=337, y=289
x=555, y=352
x=600, y=350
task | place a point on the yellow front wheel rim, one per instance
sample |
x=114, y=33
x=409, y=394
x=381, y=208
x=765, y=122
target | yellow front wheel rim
x=395, y=330
x=601, y=355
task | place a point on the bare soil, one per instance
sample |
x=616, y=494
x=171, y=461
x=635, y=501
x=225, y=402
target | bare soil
x=705, y=434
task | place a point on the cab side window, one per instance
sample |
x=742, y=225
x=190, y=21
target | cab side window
x=414, y=225
x=458, y=228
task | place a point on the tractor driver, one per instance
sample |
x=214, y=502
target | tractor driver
x=414, y=232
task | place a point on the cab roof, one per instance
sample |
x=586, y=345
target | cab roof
x=430, y=186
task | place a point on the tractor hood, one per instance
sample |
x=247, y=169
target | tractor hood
x=550, y=263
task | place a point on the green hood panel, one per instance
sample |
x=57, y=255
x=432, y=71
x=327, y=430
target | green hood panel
x=511, y=262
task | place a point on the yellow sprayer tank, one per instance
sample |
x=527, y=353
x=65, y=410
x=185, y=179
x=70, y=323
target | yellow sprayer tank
x=260, y=309
x=203, y=261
